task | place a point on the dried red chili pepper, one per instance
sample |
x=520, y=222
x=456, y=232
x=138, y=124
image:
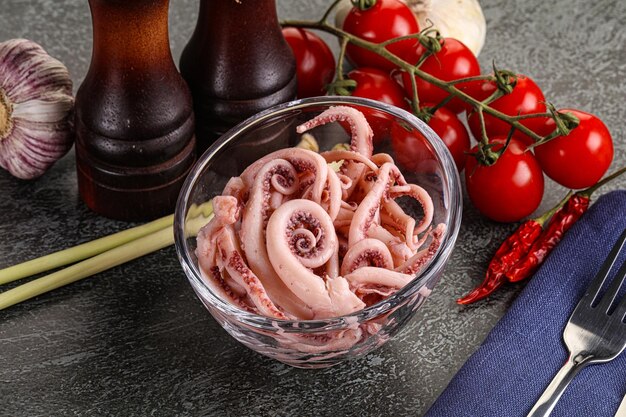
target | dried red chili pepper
x=507, y=255
x=523, y=251
x=560, y=223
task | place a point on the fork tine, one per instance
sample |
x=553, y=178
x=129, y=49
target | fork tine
x=611, y=293
x=596, y=285
x=620, y=311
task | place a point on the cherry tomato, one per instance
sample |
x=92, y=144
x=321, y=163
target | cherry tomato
x=453, y=133
x=385, y=20
x=412, y=151
x=508, y=190
x=448, y=127
x=526, y=98
x=581, y=158
x=377, y=85
x=315, y=63
x=452, y=62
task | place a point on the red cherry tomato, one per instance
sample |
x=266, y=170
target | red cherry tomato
x=447, y=126
x=454, y=61
x=526, y=98
x=508, y=190
x=581, y=158
x=315, y=63
x=385, y=20
x=453, y=133
x=377, y=85
x=411, y=150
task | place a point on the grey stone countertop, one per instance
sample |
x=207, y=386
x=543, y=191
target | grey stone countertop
x=135, y=340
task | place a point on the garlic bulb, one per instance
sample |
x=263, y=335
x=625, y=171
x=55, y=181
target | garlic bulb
x=459, y=19
x=36, y=103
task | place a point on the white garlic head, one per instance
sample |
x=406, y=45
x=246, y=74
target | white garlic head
x=462, y=20
x=36, y=108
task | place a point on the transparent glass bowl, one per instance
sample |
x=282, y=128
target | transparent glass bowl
x=320, y=343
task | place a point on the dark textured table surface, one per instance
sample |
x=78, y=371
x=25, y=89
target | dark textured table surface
x=135, y=340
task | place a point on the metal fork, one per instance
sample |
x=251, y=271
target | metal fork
x=591, y=335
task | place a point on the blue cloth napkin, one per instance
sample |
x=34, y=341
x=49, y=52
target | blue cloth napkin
x=525, y=349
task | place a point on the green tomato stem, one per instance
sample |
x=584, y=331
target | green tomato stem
x=413, y=70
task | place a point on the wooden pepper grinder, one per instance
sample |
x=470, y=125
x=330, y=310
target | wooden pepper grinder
x=237, y=63
x=135, y=139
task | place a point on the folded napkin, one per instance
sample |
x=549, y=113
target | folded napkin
x=525, y=349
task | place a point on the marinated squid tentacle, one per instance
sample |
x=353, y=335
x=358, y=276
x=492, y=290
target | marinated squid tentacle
x=332, y=204
x=382, y=158
x=287, y=226
x=360, y=130
x=367, y=252
x=236, y=188
x=332, y=266
x=303, y=160
x=225, y=212
x=207, y=253
x=293, y=251
x=216, y=281
x=335, y=156
x=252, y=235
x=361, y=138
x=367, y=212
x=354, y=167
x=318, y=243
x=345, y=215
x=417, y=262
x=231, y=260
x=398, y=248
x=404, y=221
x=370, y=279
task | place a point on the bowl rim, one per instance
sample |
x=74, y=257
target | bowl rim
x=452, y=188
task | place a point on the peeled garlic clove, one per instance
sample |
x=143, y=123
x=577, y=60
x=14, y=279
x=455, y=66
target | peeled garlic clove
x=459, y=19
x=36, y=103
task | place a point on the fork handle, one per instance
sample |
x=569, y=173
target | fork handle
x=545, y=404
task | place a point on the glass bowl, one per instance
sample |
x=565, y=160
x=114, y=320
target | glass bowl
x=325, y=342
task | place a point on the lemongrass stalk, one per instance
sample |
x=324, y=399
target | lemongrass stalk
x=101, y=262
x=80, y=252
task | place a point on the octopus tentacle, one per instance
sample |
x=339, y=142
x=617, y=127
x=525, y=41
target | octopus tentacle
x=417, y=262
x=403, y=220
x=236, y=188
x=343, y=299
x=252, y=236
x=214, y=278
x=340, y=155
x=285, y=226
x=399, y=250
x=333, y=205
x=303, y=235
x=233, y=262
x=382, y=158
x=367, y=211
x=367, y=252
x=361, y=131
x=303, y=161
x=226, y=209
x=371, y=279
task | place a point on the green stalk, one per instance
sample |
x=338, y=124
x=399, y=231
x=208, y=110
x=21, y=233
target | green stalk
x=380, y=50
x=101, y=262
x=80, y=252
